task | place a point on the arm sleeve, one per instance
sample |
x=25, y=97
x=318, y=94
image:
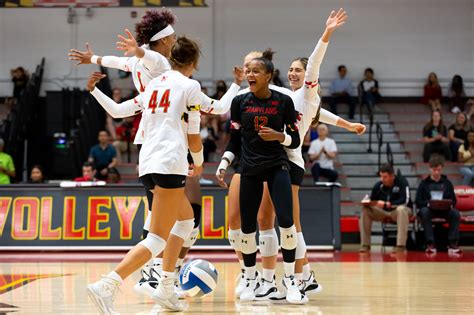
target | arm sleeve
x=291, y=125
x=235, y=142
x=403, y=199
x=122, y=63
x=311, y=79
x=222, y=106
x=154, y=61
x=125, y=109
x=328, y=118
x=193, y=109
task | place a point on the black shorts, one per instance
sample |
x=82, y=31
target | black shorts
x=167, y=181
x=296, y=174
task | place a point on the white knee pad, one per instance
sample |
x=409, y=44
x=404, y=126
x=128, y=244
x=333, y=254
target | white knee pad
x=268, y=243
x=146, y=226
x=154, y=244
x=189, y=242
x=234, y=239
x=183, y=228
x=288, y=238
x=300, y=246
x=248, y=243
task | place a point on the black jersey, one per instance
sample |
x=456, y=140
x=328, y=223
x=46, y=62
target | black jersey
x=248, y=115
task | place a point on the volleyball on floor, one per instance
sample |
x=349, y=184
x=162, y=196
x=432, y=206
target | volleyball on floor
x=198, y=278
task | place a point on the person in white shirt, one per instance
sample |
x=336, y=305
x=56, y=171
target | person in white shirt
x=322, y=152
x=171, y=122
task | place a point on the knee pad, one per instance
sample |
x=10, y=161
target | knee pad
x=154, y=244
x=234, y=239
x=183, y=228
x=248, y=243
x=146, y=226
x=189, y=242
x=268, y=243
x=300, y=246
x=197, y=214
x=288, y=238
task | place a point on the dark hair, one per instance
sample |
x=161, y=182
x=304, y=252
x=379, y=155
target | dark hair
x=387, y=168
x=151, y=23
x=369, y=70
x=41, y=169
x=303, y=60
x=466, y=142
x=184, y=52
x=88, y=164
x=103, y=130
x=457, y=85
x=113, y=170
x=436, y=160
x=430, y=124
x=340, y=67
x=266, y=60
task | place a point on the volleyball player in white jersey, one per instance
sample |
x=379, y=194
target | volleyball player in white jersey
x=163, y=168
x=307, y=103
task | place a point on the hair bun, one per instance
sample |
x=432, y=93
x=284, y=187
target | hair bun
x=268, y=54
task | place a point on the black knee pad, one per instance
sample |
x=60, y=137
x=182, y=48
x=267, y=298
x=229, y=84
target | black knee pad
x=144, y=234
x=197, y=209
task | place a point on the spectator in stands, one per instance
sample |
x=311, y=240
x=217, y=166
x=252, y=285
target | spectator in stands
x=88, y=173
x=435, y=198
x=37, y=175
x=341, y=92
x=20, y=79
x=389, y=199
x=221, y=88
x=432, y=92
x=111, y=124
x=7, y=167
x=369, y=89
x=126, y=132
x=113, y=176
x=103, y=155
x=457, y=135
x=435, y=138
x=466, y=156
x=456, y=94
x=322, y=152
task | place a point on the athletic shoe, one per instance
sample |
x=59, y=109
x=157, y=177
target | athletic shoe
x=248, y=294
x=103, y=293
x=454, y=250
x=310, y=286
x=430, y=249
x=137, y=287
x=266, y=290
x=293, y=293
x=241, y=285
x=166, y=297
x=364, y=249
x=147, y=287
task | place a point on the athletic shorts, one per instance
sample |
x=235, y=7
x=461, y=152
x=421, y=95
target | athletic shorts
x=167, y=181
x=296, y=174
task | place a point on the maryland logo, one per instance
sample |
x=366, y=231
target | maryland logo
x=10, y=282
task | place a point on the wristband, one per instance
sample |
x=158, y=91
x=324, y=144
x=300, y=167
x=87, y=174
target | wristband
x=222, y=166
x=198, y=157
x=94, y=59
x=229, y=156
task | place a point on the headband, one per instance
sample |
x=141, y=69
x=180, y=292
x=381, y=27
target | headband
x=163, y=33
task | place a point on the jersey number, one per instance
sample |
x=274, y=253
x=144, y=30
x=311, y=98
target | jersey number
x=260, y=121
x=164, y=103
x=139, y=75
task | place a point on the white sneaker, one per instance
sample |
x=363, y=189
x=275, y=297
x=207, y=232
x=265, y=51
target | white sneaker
x=310, y=286
x=248, y=294
x=293, y=293
x=102, y=293
x=147, y=287
x=138, y=286
x=266, y=290
x=166, y=297
x=241, y=285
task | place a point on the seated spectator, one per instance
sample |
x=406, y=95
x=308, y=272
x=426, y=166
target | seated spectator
x=20, y=79
x=369, y=89
x=435, y=198
x=103, y=155
x=322, y=152
x=457, y=135
x=37, y=175
x=113, y=176
x=126, y=132
x=341, y=92
x=221, y=88
x=388, y=200
x=88, y=173
x=7, y=167
x=456, y=94
x=435, y=138
x=432, y=92
x=466, y=156
x=111, y=123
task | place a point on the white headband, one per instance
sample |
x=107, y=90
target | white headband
x=167, y=31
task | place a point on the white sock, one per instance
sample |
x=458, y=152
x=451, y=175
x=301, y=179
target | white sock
x=179, y=262
x=299, y=276
x=115, y=276
x=306, y=271
x=250, y=272
x=289, y=268
x=157, y=261
x=242, y=264
x=268, y=274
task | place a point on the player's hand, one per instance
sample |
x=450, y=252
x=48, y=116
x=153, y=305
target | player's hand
x=83, y=57
x=195, y=170
x=238, y=75
x=93, y=79
x=357, y=128
x=220, y=175
x=128, y=44
x=336, y=19
x=268, y=134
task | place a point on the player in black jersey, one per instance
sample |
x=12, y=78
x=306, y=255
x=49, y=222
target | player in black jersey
x=263, y=122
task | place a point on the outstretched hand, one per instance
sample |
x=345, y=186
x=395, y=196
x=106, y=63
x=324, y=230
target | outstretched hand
x=238, y=75
x=336, y=19
x=83, y=57
x=127, y=44
x=93, y=79
x=359, y=129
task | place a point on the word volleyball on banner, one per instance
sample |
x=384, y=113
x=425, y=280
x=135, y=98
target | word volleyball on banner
x=100, y=3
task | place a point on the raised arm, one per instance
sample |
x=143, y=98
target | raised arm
x=331, y=119
x=222, y=106
x=88, y=57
